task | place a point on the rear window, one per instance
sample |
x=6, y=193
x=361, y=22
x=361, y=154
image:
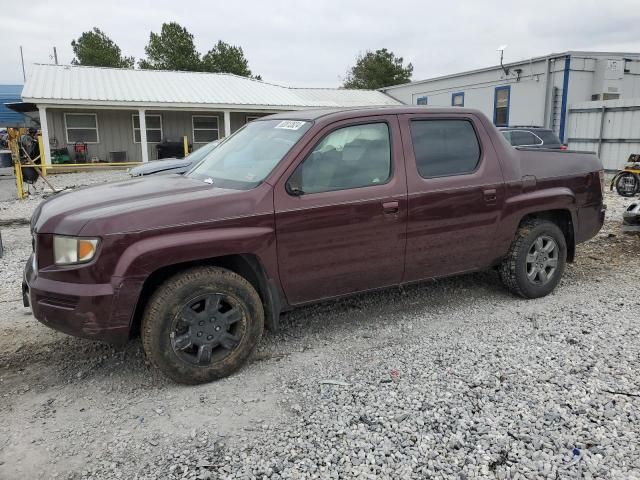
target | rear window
x=444, y=147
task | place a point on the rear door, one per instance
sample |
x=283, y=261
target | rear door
x=456, y=194
x=341, y=211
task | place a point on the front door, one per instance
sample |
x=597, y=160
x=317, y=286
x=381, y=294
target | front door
x=341, y=212
x=456, y=194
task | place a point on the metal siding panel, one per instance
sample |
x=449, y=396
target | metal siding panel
x=618, y=125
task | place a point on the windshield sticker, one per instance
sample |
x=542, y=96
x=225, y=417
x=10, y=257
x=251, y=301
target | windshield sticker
x=290, y=124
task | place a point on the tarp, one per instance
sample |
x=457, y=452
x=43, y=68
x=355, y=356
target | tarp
x=10, y=94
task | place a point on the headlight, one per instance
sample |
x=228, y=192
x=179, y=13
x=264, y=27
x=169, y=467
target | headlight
x=72, y=250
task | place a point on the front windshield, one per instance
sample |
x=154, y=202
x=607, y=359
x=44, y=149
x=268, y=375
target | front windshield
x=245, y=159
x=202, y=152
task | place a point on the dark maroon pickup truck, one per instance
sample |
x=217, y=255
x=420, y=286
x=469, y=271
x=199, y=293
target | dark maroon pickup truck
x=298, y=208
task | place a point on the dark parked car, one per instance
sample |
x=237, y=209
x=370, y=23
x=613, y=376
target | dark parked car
x=534, y=137
x=298, y=208
x=173, y=165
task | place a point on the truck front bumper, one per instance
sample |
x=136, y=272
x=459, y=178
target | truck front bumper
x=94, y=311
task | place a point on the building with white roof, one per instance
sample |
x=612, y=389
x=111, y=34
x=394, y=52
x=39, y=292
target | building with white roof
x=122, y=114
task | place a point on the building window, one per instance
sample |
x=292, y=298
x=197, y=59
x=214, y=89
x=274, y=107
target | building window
x=457, y=99
x=154, y=128
x=422, y=100
x=81, y=127
x=501, y=103
x=444, y=147
x=205, y=128
x=250, y=118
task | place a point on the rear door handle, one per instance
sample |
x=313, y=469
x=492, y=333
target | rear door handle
x=490, y=195
x=390, y=208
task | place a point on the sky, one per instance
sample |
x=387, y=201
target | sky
x=314, y=43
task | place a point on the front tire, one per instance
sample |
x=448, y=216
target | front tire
x=202, y=324
x=536, y=260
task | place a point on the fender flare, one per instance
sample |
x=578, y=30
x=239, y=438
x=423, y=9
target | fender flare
x=535, y=202
x=165, y=249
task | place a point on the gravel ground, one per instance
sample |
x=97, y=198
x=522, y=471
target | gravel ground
x=449, y=379
x=13, y=209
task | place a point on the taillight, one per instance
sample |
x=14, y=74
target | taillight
x=603, y=185
x=563, y=147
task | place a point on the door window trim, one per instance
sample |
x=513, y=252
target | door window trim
x=334, y=128
x=432, y=119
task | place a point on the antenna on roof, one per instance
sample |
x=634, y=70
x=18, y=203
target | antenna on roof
x=501, y=49
x=24, y=75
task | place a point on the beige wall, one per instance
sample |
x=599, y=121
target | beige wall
x=115, y=130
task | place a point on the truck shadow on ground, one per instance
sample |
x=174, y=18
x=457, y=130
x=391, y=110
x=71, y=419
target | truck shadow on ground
x=52, y=358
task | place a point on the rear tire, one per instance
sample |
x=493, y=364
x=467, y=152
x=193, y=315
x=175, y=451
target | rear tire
x=627, y=184
x=536, y=260
x=202, y=324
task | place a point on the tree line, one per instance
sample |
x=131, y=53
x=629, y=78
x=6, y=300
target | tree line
x=174, y=49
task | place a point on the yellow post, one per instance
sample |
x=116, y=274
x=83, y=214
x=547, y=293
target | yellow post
x=43, y=161
x=185, y=140
x=19, y=182
x=15, y=155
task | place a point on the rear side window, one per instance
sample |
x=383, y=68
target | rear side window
x=548, y=137
x=444, y=147
x=524, y=137
x=350, y=157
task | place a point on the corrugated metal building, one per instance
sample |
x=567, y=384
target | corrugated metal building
x=122, y=114
x=611, y=128
x=534, y=92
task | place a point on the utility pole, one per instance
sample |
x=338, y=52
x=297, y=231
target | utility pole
x=55, y=55
x=24, y=75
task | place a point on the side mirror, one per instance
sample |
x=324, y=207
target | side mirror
x=294, y=190
x=294, y=184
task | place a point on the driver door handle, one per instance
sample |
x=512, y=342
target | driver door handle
x=391, y=208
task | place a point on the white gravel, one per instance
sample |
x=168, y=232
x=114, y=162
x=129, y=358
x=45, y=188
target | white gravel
x=24, y=208
x=449, y=379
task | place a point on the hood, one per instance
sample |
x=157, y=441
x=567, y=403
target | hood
x=140, y=204
x=158, y=166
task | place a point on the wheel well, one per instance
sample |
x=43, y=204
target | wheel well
x=562, y=218
x=245, y=265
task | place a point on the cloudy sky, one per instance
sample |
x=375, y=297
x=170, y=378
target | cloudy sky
x=313, y=43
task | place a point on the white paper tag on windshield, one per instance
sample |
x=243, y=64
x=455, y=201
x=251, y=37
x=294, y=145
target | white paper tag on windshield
x=290, y=124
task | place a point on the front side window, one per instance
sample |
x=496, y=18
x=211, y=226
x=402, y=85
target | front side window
x=243, y=160
x=205, y=128
x=81, y=127
x=501, y=106
x=444, y=147
x=154, y=128
x=422, y=101
x=350, y=157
